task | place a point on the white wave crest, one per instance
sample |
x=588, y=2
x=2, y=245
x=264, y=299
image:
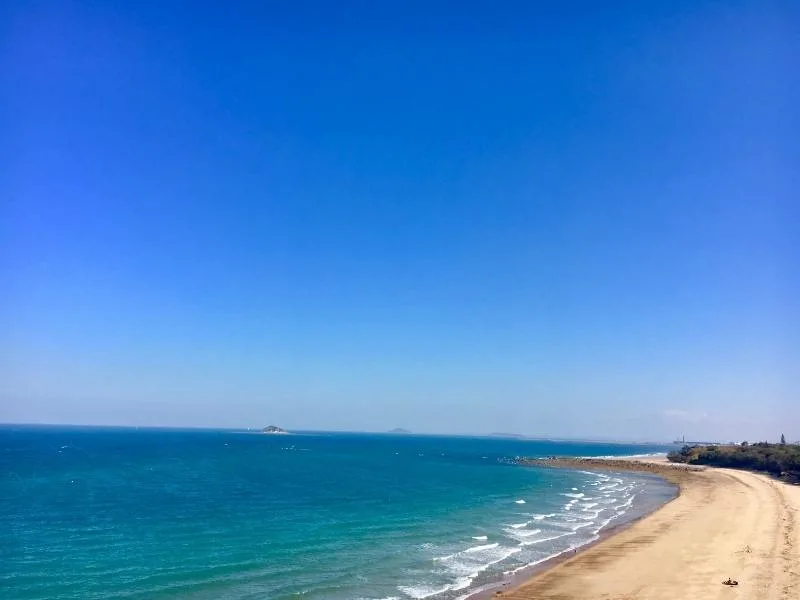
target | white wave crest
x=461, y=583
x=421, y=591
x=465, y=566
x=627, y=502
x=547, y=539
x=539, y=517
x=484, y=547
x=521, y=535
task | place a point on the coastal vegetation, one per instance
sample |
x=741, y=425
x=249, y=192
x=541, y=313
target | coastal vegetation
x=781, y=460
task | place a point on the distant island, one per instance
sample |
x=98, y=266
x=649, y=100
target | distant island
x=399, y=430
x=273, y=429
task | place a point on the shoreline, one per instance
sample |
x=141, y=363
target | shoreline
x=644, y=464
x=722, y=523
x=525, y=574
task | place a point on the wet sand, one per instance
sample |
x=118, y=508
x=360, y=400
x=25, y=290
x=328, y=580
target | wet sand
x=725, y=523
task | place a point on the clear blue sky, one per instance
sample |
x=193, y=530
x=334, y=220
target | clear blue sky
x=565, y=218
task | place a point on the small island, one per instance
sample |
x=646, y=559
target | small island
x=399, y=430
x=272, y=429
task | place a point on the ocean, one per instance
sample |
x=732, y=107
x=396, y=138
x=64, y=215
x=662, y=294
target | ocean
x=91, y=513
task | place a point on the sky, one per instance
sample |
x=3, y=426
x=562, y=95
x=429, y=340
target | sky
x=551, y=218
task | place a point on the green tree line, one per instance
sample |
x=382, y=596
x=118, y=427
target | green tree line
x=781, y=460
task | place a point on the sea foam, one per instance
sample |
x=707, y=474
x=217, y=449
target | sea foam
x=418, y=592
x=539, y=517
x=464, y=567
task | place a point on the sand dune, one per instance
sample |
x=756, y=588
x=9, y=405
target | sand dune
x=725, y=523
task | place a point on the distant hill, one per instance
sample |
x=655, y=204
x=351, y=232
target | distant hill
x=273, y=429
x=509, y=435
x=399, y=430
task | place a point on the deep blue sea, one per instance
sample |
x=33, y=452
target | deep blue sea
x=149, y=514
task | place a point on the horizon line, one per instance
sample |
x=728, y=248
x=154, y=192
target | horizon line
x=507, y=435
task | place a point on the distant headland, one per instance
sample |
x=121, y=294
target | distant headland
x=273, y=429
x=399, y=430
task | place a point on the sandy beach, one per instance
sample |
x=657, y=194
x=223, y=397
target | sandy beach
x=725, y=523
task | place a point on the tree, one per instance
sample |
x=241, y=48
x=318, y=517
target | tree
x=783, y=440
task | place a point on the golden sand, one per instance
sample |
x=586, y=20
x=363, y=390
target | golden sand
x=724, y=524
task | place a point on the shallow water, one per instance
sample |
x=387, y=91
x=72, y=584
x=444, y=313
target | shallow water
x=123, y=513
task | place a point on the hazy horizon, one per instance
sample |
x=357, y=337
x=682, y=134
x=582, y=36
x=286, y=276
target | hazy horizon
x=406, y=430
x=256, y=429
x=558, y=219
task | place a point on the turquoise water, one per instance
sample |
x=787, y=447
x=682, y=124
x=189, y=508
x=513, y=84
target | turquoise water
x=123, y=513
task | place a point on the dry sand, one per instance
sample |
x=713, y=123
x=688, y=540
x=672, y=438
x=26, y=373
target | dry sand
x=725, y=523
